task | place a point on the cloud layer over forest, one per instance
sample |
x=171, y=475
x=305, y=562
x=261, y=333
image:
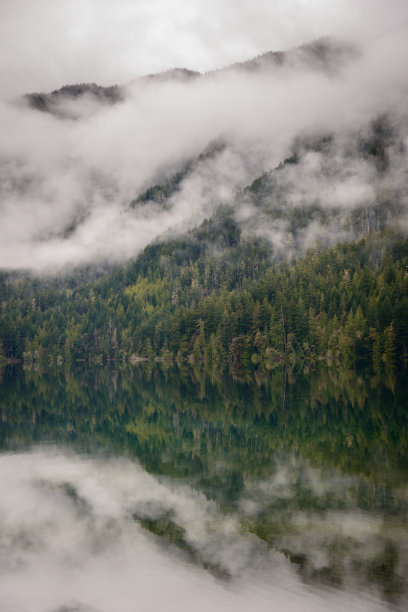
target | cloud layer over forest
x=66, y=184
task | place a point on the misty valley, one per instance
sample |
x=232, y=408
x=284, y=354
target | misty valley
x=204, y=338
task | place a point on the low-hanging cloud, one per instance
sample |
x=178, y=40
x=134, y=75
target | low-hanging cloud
x=49, y=43
x=66, y=184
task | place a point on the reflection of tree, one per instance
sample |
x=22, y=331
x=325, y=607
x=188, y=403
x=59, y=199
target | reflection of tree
x=224, y=436
x=335, y=418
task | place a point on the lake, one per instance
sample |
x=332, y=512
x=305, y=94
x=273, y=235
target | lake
x=146, y=489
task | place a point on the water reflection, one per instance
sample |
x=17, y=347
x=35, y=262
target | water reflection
x=293, y=484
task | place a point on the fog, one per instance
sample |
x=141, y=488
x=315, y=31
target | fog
x=73, y=532
x=49, y=43
x=67, y=179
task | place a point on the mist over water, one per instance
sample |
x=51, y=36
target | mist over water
x=124, y=491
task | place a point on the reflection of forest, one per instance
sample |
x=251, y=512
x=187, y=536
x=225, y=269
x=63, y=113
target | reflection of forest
x=177, y=424
x=297, y=457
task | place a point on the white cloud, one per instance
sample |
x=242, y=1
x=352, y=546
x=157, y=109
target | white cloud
x=48, y=43
x=65, y=186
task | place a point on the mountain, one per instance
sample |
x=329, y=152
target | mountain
x=326, y=54
x=55, y=101
x=203, y=232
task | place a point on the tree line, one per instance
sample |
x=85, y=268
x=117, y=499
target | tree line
x=215, y=299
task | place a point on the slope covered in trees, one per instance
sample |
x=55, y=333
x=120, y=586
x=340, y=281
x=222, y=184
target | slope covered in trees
x=308, y=261
x=213, y=298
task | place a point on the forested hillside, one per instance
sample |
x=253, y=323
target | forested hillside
x=228, y=248
x=215, y=300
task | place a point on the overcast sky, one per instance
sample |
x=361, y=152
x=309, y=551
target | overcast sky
x=47, y=43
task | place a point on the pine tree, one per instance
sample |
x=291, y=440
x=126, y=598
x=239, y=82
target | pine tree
x=389, y=356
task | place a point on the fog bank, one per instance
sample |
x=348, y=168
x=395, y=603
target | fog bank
x=66, y=185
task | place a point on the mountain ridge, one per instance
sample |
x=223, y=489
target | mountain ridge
x=323, y=54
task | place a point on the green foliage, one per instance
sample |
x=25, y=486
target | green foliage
x=215, y=299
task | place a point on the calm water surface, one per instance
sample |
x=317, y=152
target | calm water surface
x=143, y=490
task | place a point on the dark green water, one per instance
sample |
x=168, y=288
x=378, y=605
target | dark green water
x=138, y=489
